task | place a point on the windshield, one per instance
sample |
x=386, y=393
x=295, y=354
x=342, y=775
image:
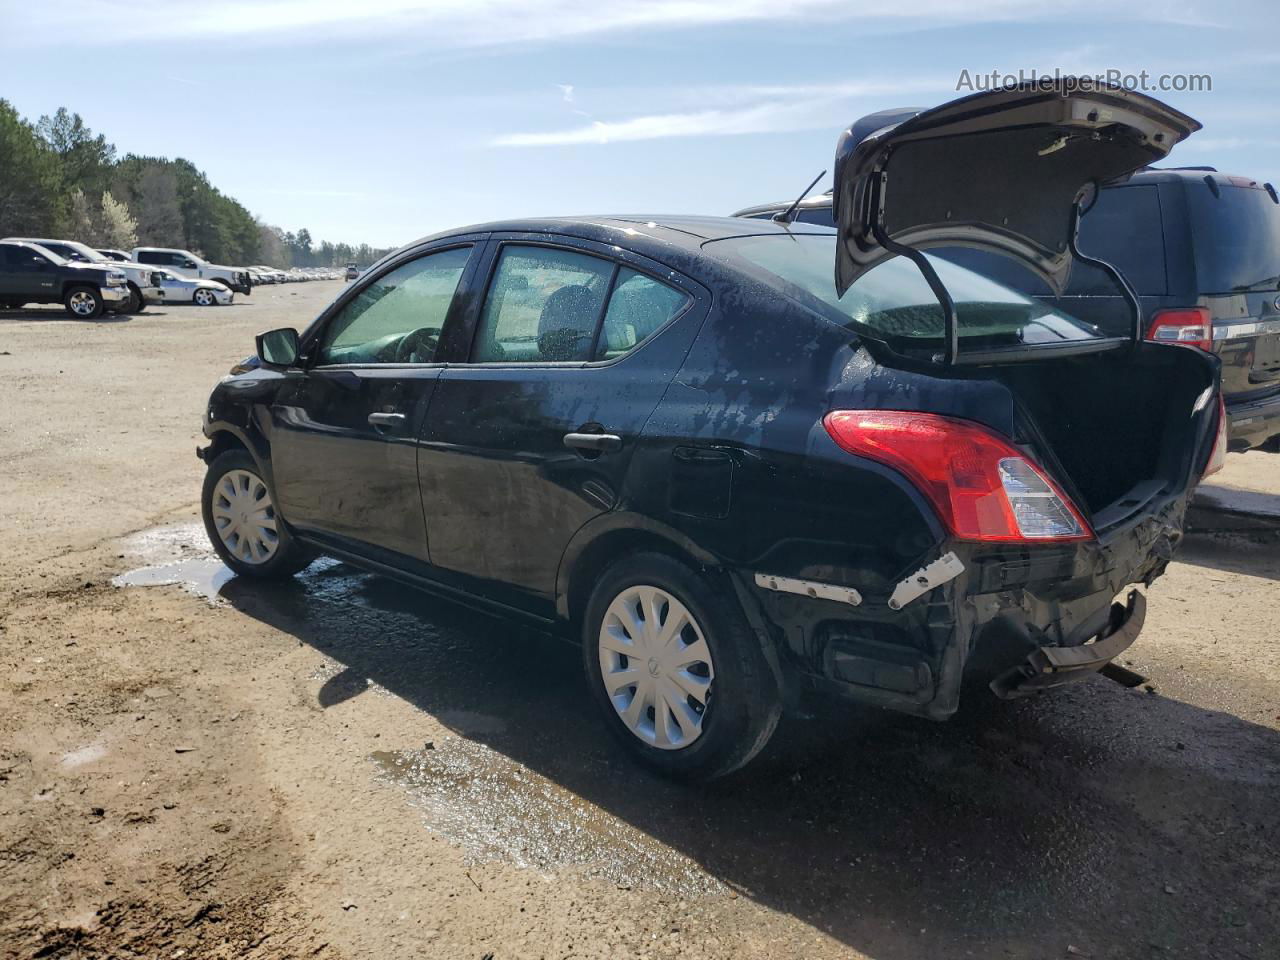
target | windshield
x=893, y=301
x=93, y=256
x=1237, y=238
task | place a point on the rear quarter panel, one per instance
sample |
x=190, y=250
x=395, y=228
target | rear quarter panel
x=736, y=458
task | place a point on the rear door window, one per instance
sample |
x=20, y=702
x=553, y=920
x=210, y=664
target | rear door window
x=544, y=305
x=638, y=308
x=551, y=305
x=1124, y=228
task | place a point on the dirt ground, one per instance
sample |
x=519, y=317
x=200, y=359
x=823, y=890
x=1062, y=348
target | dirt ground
x=338, y=768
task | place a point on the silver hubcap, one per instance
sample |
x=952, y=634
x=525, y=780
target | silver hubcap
x=204, y=297
x=83, y=303
x=656, y=667
x=244, y=517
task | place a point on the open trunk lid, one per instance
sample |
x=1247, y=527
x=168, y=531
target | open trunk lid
x=1001, y=171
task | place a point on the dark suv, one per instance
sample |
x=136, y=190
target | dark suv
x=31, y=274
x=734, y=481
x=1202, y=250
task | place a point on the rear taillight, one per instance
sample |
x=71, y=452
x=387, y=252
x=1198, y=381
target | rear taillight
x=1191, y=327
x=1218, y=458
x=981, y=486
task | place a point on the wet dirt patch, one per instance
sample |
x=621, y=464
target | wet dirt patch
x=498, y=810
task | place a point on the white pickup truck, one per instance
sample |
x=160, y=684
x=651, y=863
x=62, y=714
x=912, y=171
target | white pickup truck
x=188, y=264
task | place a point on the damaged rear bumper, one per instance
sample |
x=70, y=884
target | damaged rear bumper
x=1013, y=618
x=1049, y=667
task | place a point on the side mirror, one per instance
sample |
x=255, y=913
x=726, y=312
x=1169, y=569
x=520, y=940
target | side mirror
x=190, y=264
x=278, y=348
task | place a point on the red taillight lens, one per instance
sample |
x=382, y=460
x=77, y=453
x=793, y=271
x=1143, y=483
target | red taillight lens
x=981, y=486
x=1192, y=327
x=1218, y=458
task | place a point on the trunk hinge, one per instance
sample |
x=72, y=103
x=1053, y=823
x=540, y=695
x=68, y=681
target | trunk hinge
x=950, y=320
x=1079, y=209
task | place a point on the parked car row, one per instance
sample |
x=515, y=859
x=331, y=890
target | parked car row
x=735, y=483
x=263, y=274
x=89, y=281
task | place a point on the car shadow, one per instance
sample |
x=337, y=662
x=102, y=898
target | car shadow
x=58, y=313
x=1115, y=822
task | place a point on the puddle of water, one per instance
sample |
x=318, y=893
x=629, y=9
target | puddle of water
x=175, y=555
x=203, y=577
x=499, y=810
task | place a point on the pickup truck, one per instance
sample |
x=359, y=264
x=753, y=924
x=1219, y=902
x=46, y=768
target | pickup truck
x=187, y=263
x=142, y=289
x=31, y=274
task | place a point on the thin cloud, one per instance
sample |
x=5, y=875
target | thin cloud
x=733, y=110
x=470, y=23
x=765, y=118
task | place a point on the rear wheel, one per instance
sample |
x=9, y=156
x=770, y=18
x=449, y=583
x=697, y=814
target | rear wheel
x=83, y=303
x=241, y=520
x=205, y=298
x=675, y=669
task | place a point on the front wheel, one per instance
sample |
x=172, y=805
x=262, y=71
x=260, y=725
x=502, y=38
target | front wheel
x=205, y=298
x=136, y=302
x=680, y=677
x=83, y=303
x=241, y=520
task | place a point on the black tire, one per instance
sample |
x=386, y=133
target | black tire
x=83, y=303
x=743, y=705
x=289, y=557
x=211, y=298
x=136, y=303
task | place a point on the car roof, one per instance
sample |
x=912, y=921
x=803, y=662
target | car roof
x=808, y=203
x=1184, y=174
x=682, y=230
x=37, y=240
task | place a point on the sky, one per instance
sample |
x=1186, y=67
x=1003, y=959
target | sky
x=382, y=122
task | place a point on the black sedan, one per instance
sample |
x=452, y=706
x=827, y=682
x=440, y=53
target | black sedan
x=673, y=440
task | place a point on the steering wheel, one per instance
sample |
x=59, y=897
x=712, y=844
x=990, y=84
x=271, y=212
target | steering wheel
x=418, y=346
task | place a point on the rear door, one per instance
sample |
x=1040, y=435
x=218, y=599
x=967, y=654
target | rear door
x=530, y=437
x=344, y=429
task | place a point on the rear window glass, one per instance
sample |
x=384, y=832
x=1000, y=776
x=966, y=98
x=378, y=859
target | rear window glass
x=893, y=301
x=1123, y=227
x=1236, y=238
x=822, y=216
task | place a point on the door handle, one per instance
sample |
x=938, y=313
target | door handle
x=381, y=420
x=600, y=442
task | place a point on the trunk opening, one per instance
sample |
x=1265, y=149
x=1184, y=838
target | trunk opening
x=1119, y=428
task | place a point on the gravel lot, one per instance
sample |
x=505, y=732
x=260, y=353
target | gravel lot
x=339, y=768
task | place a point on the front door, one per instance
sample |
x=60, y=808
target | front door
x=26, y=275
x=531, y=438
x=345, y=428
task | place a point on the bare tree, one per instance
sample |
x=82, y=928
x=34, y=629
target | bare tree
x=118, y=228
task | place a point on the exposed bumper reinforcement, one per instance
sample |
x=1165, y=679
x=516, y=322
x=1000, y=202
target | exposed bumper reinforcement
x=1053, y=666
